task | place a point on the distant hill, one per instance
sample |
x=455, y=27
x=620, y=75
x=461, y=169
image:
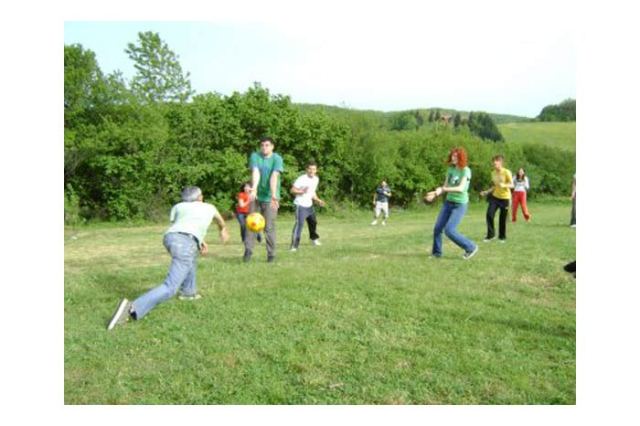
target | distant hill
x=557, y=134
x=424, y=112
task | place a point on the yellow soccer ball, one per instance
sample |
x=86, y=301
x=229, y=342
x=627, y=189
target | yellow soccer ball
x=255, y=222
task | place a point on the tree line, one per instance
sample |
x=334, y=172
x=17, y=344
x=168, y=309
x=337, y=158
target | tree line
x=131, y=146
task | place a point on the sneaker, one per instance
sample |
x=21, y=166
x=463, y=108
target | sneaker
x=121, y=315
x=435, y=256
x=486, y=240
x=293, y=249
x=316, y=242
x=384, y=223
x=573, y=226
x=374, y=223
x=271, y=259
x=189, y=297
x=247, y=256
x=468, y=255
x=503, y=240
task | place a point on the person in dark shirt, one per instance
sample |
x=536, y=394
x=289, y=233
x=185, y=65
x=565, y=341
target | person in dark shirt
x=381, y=203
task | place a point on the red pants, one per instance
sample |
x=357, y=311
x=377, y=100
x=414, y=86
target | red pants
x=519, y=197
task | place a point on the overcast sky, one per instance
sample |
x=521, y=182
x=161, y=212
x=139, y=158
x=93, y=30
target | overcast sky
x=512, y=60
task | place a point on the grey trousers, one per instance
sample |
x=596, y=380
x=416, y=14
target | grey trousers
x=302, y=214
x=270, y=215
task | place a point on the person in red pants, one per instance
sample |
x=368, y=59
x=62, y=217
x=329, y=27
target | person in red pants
x=520, y=188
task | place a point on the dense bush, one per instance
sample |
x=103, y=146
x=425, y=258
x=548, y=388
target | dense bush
x=127, y=157
x=564, y=111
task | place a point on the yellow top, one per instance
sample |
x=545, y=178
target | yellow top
x=503, y=176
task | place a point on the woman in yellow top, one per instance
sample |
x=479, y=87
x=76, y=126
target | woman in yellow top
x=498, y=197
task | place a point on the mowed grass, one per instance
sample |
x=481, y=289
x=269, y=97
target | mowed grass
x=559, y=135
x=367, y=318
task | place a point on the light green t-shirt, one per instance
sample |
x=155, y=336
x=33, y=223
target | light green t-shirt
x=454, y=177
x=266, y=166
x=192, y=218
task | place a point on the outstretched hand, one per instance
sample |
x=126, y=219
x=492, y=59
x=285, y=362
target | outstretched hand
x=430, y=196
x=224, y=235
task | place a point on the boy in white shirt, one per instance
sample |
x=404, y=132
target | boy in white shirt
x=304, y=188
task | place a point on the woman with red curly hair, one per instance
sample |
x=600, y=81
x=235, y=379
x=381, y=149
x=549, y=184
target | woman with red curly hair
x=456, y=185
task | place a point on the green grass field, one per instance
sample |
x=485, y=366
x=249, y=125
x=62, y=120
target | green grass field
x=560, y=135
x=367, y=318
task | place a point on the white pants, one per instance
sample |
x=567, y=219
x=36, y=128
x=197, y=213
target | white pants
x=380, y=206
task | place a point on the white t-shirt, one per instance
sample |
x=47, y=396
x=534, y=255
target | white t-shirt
x=520, y=185
x=192, y=218
x=304, y=181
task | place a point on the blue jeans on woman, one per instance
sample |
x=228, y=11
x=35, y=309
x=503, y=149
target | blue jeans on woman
x=182, y=273
x=448, y=220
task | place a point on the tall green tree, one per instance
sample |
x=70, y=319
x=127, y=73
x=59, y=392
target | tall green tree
x=457, y=120
x=159, y=76
x=482, y=125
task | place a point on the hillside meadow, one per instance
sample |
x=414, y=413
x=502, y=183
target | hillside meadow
x=366, y=318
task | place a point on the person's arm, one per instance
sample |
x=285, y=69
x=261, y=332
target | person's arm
x=273, y=184
x=486, y=192
x=526, y=183
x=224, y=234
x=458, y=188
x=222, y=228
x=508, y=181
x=374, y=198
x=297, y=188
x=573, y=188
x=298, y=191
x=318, y=200
x=242, y=203
x=172, y=215
x=255, y=179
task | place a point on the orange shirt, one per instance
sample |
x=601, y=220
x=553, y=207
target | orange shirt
x=245, y=198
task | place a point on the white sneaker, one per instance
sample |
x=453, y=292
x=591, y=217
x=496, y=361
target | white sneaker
x=121, y=315
x=293, y=249
x=192, y=297
x=384, y=223
x=469, y=255
x=375, y=222
x=316, y=242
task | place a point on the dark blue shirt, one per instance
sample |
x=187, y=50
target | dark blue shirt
x=380, y=194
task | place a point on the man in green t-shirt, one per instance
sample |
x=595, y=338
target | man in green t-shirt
x=266, y=167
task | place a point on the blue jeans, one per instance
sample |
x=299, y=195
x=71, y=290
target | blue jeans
x=448, y=220
x=182, y=273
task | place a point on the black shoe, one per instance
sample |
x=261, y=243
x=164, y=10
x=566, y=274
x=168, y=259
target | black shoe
x=271, y=259
x=247, y=256
x=570, y=267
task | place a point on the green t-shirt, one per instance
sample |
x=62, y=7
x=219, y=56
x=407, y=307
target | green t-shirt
x=266, y=167
x=454, y=176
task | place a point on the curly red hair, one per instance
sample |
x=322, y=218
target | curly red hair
x=462, y=157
